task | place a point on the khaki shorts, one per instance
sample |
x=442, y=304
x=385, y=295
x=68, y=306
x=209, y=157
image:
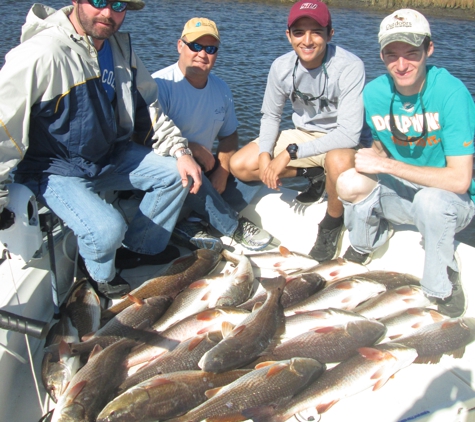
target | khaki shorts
x=297, y=136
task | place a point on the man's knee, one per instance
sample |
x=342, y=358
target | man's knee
x=339, y=160
x=242, y=161
x=353, y=187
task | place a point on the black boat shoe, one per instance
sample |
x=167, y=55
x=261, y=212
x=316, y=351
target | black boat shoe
x=455, y=305
x=126, y=259
x=114, y=289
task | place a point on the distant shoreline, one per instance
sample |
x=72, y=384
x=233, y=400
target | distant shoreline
x=380, y=6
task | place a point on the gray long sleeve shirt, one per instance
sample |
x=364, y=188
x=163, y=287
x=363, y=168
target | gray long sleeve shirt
x=341, y=118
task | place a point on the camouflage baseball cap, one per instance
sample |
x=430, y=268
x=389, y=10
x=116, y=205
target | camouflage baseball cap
x=134, y=4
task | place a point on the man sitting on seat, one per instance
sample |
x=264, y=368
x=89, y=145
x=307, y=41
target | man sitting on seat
x=73, y=97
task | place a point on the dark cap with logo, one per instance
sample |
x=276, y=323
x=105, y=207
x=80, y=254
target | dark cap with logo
x=314, y=9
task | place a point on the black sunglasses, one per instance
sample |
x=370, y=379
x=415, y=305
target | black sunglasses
x=306, y=98
x=196, y=48
x=397, y=133
x=116, y=6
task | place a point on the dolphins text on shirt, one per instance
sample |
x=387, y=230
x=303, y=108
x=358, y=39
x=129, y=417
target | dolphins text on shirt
x=404, y=124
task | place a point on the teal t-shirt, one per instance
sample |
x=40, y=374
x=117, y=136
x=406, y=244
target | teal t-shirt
x=450, y=114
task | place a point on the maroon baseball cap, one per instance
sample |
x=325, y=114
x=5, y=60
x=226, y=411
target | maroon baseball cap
x=313, y=9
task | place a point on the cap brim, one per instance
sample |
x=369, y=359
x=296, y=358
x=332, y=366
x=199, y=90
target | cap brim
x=409, y=38
x=135, y=5
x=195, y=35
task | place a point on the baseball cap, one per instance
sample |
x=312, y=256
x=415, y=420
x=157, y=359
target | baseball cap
x=313, y=9
x=404, y=25
x=134, y=4
x=197, y=27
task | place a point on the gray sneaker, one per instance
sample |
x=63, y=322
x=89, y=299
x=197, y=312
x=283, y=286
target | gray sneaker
x=250, y=236
x=194, y=235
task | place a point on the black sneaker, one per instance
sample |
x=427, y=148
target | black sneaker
x=126, y=259
x=328, y=244
x=354, y=256
x=114, y=289
x=455, y=305
x=314, y=191
x=250, y=236
x=194, y=235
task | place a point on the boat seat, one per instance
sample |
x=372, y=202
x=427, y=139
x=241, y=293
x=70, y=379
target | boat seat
x=23, y=239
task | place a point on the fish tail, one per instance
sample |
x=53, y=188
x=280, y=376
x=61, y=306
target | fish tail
x=272, y=284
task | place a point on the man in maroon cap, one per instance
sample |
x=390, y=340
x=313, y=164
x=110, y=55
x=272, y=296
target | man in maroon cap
x=324, y=84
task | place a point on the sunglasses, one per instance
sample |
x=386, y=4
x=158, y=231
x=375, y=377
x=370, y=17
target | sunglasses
x=306, y=98
x=196, y=48
x=397, y=133
x=116, y=6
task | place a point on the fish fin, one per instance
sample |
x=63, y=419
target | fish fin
x=199, y=284
x=97, y=348
x=276, y=369
x=195, y=342
x=428, y=359
x=436, y=316
x=344, y=285
x=264, y=364
x=136, y=300
x=323, y=407
x=395, y=336
x=87, y=336
x=405, y=290
x=226, y=328
x=380, y=383
x=75, y=391
x=212, y=392
x=156, y=381
x=373, y=354
x=458, y=354
x=64, y=350
x=206, y=296
x=284, y=251
x=324, y=330
x=237, y=330
x=257, y=306
x=208, y=314
x=415, y=311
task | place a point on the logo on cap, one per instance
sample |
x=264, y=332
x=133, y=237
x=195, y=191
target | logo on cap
x=308, y=6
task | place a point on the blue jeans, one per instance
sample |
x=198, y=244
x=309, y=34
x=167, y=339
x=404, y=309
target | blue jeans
x=438, y=214
x=99, y=227
x=221, y=211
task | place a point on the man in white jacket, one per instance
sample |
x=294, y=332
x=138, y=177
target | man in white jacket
x=74, y=97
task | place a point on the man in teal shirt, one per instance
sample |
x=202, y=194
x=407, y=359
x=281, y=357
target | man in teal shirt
x=419, y=169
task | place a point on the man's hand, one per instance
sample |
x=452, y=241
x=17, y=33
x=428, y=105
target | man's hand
x=7, y=218
x=367, y=160
x=203, y=156
x=187, y=166
x=270, y=175
x=219, y=178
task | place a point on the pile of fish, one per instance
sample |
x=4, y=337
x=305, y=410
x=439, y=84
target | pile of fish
x=271, y=335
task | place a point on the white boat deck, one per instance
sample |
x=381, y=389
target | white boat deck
x=444, y=392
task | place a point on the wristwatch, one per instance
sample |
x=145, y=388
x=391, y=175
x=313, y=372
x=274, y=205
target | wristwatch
x=292, y=150
x=183, y=151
